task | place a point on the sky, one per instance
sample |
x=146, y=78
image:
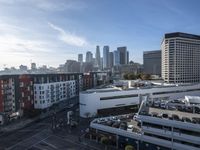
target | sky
x=48, y=32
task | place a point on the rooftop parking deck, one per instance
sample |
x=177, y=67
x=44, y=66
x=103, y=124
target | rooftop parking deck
x=123, y=122
x=174, y=115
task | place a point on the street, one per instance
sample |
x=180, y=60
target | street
x=40, y=135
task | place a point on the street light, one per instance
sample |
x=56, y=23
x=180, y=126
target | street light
x=137, y=145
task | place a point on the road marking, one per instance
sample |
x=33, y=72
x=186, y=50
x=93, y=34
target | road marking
x=51, y=145
x=9, y=148
x=38, y=142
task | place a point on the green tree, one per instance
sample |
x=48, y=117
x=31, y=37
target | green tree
x=131, y=76
x=105, y=141
x=138, y=76
x=145, y=76
x=129, y=147
x=126, y=76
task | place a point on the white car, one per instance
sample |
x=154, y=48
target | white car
x=130, y=128
x=163, y=105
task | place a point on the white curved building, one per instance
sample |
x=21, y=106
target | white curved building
x=97, y=100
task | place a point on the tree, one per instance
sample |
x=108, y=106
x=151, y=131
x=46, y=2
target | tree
x=145, y=76
x=105, y=141
x=138, y=76
x=126, y=76
x=129, y=147
x=131, y=76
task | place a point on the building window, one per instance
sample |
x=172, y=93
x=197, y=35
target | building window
x=119, y=97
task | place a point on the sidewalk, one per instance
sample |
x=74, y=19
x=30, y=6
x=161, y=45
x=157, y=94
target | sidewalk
x=24, y=122
x=17, y=125
x=87, y=142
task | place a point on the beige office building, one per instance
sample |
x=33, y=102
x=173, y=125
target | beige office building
x=180, y=58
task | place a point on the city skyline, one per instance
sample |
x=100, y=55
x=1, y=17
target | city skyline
x=49, y=33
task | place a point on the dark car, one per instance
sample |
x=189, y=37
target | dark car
x=123, y=126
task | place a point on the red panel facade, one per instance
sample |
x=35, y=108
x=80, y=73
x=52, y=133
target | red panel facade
x=26, y=92
x=87, y=81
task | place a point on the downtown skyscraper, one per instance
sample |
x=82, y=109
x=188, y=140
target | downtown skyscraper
x=98, y=57
x=80, y=58
x=105, y=57
x=89, y=56
x=123, y=55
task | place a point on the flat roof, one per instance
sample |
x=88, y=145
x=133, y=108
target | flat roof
x=115, y=89
x=152, y=52
x=120, y=119
x=181, y=114
x=183, y=35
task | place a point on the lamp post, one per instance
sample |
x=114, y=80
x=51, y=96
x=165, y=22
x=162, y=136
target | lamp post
x=137, y=145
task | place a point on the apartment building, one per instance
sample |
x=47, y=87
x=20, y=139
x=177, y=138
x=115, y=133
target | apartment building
x=25, y=92
x=47, y=94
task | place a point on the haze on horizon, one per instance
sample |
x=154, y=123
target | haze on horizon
x=49, y=32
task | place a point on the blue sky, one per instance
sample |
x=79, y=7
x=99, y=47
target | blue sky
x=52, y=31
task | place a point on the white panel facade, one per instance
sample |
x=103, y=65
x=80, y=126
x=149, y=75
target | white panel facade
x=90, y=101
x=46, y=94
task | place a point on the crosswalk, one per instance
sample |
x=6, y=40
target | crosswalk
x=29, y=142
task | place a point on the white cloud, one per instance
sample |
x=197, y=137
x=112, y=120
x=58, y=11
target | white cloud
x=48, y=5
x=70, y=38
x=60, y=5
x=15, y=44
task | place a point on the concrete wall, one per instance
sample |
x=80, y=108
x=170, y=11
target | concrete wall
x=90, y=101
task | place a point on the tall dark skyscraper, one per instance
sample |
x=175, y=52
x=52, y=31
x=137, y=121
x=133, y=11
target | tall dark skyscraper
x=152, y=62
x=33, y=66
x=127, y=57
x=98, y=57
x=116, y=60
x=89, y=56
x=123, y=58
x=105, y=57
x=111, y=59
x=80, y=58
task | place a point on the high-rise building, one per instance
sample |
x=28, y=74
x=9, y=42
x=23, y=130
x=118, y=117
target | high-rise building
x=152, y=62
x=127, y=57
x=116, y=58
x=101, y=67
x=23, y=68
x=80, y=58
x=89, y=56
x=105, y=57
x=72, y=66
x=111, y=59
x=98, y=57
x=122, y=55
x=180, y=58
x=33, y=66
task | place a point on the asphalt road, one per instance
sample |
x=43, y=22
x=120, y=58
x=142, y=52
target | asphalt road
x=11, y=138
x=39, y=135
